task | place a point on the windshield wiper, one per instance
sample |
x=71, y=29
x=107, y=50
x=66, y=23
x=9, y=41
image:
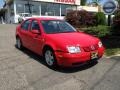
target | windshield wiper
x=67, y=32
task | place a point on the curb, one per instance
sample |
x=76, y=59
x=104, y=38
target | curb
x=117, y=55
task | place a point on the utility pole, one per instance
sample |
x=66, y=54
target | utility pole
x=29, y=6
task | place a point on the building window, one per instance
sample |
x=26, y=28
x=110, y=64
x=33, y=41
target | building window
x=50, y=9
x=35, y=10
x=19, y=8
x=56, y=9
x=28, y=8
x=65, y=8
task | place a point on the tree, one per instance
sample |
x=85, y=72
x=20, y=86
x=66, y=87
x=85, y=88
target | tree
x=100, y=18
x=83, y=2
x=118, y=2
x=116, y=23
x=80, y=18
x=29, y=6
x=96, y=1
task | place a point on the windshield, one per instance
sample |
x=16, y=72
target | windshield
x=57, y=26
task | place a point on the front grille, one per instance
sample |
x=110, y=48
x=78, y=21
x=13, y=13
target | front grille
x=91, y=48
x=86, y=49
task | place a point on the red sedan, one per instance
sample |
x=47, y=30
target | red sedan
x=58, y=42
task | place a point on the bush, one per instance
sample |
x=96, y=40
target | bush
x=100, y=18
x=83, y=2
x=80, y=18
x=116, y=23
x=99, y=31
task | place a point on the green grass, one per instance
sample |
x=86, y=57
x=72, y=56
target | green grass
x=110, y=52
x=112, y=45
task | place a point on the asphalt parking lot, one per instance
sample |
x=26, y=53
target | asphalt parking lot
x=24, y=70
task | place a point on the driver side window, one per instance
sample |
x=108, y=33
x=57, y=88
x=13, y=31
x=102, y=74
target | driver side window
x=35, y=25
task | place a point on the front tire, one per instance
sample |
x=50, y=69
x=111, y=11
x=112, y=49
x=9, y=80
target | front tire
x=50, y=59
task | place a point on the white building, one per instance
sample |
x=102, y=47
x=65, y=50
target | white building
x=90, y=8
x=52, y=8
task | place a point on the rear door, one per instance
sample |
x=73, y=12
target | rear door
x=25, y=33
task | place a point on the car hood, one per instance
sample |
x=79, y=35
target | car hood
x=76, y=38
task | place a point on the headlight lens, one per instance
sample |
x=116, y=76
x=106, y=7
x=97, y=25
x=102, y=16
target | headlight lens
x=73, y=49
x=100, y=44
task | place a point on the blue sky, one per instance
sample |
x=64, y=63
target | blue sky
x=102, y=1
x=1, y=3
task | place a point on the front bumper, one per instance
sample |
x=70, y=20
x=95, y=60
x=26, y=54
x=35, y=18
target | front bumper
x=72, y=60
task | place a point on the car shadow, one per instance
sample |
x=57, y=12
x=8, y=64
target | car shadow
x=76, y=69
x=41, y=60
x=32, y=55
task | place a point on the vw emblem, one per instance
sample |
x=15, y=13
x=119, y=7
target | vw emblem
x=92, y=47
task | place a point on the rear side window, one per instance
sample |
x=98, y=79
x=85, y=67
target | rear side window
x=25, y=25
x=35, y=25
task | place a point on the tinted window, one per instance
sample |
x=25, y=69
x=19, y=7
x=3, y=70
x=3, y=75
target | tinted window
x=28, y=9
x=19, y=8
x=35, y=10
x=50, y=9
x=57, y=26
x=66, y=8
x=35, y=25
x=25, y=25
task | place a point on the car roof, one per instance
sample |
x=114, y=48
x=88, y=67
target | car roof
x=44, y=18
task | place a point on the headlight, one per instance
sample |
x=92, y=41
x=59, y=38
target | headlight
x=100, y=44
x=73, y=49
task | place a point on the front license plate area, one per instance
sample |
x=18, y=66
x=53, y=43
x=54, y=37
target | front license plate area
x=94, y=55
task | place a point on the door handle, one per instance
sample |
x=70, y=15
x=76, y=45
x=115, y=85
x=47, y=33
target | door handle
x=36, y=37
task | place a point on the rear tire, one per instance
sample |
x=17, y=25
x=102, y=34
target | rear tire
x=19, y=43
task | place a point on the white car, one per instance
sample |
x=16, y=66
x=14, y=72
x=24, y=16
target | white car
x=23, y=16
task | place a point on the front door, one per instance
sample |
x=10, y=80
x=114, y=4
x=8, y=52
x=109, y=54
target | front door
x=36, y=38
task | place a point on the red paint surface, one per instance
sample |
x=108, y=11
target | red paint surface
x=58, y=42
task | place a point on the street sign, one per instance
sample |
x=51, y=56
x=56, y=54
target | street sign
x=109, y=7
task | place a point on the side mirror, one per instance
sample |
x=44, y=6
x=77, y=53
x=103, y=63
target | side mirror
x=35, y=31
x=78, y=30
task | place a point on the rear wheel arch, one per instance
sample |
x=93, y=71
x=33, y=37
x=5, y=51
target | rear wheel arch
x=17, y=36
x=19, y=43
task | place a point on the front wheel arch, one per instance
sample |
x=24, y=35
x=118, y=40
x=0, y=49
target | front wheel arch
x=47, y=47
x=51, y=49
